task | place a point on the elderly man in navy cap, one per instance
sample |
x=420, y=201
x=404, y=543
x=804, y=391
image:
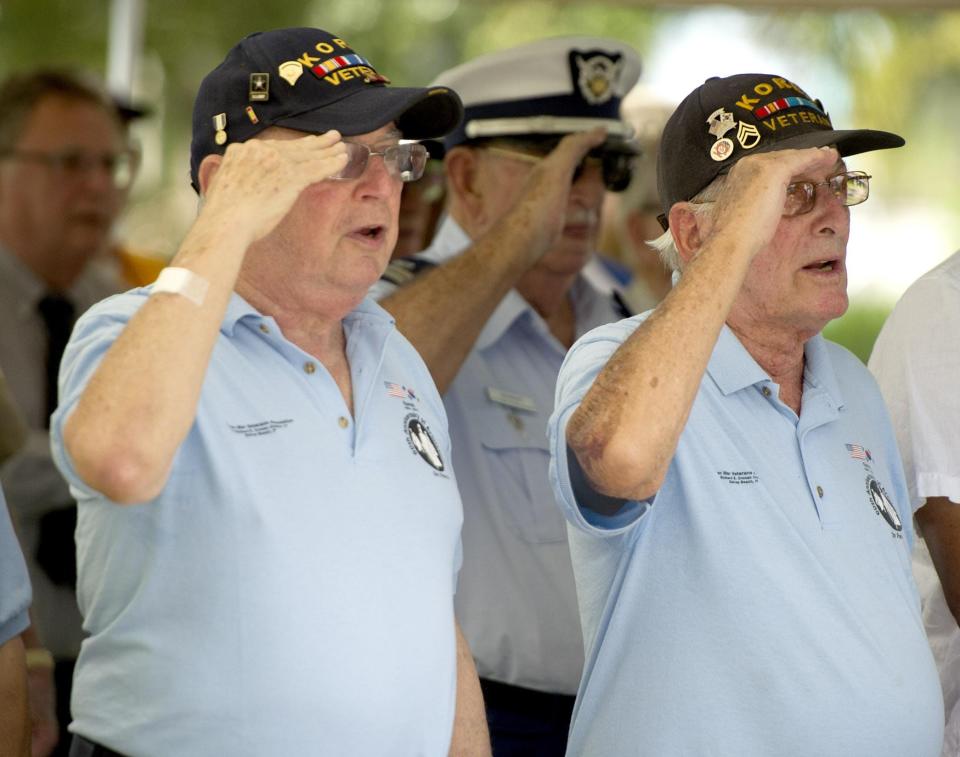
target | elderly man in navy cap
x=495, y=302
x=269, y=529
x=740, y=522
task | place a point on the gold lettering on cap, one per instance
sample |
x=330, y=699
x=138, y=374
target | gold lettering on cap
x=308, y=60
x=324, y=47
x=763, y=88
x=747, y=103
x=340, y=42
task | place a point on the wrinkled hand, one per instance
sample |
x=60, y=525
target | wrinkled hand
x=756, y=190
x=43, y=712
x=542, y=206
x=259, y=180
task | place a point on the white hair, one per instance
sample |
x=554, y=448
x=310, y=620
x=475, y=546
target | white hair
x=703, y=208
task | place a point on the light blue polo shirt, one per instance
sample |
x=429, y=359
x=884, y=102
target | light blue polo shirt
x=761, y=603
x=14, y=582
x=291, y=589
x=516, y=601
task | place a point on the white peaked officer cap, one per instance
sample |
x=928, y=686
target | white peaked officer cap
x=559, y=85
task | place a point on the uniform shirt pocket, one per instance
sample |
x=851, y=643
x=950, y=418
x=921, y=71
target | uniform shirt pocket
x=516, y=448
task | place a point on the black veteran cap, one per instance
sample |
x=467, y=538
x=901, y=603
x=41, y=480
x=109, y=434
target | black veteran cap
x=311, y=81
x=724, y=120
x=559, y=85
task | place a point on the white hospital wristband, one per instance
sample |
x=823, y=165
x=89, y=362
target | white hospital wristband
x=184, y=282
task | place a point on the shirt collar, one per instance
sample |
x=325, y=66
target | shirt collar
x=732, y=367
x=238, y=309
x=448, y=242
x=818, y=370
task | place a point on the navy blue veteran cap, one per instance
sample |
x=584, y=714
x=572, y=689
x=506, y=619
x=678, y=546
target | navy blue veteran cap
x=726, y=119
x=312, y=81
x=558, y=85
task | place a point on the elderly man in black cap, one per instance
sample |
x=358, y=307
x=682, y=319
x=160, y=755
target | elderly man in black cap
x=269, y=529
x=541, y=143
x=740, y=523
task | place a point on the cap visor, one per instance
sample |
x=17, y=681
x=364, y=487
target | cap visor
x=848, y=142
x=418, y=113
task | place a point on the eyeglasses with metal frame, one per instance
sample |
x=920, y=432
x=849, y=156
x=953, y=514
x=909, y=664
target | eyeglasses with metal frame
x=850, y=188
x=405, y=161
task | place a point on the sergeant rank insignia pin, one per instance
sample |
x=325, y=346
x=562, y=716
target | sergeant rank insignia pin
x=259, y=88
x=220, y=126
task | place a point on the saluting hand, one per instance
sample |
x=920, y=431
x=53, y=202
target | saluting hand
x=753, y=197
x=257, y=182
x=541, y=208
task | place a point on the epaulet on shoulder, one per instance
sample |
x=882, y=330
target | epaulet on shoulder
x=404, y=270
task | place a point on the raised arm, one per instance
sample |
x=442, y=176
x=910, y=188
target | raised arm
x=141, y=401
x=443, y=311
x=625, y=431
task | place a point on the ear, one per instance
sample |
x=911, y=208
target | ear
x=688, y=230
x=462, y=166
x=207, y=170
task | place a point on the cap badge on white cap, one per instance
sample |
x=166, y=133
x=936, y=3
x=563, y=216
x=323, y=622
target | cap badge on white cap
x=596, y=77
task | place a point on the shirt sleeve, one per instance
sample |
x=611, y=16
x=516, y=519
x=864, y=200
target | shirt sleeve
x=580, y=368
x=94, y=334
x=15, y=595
x=915, y=365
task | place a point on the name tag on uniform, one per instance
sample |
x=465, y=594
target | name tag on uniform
x=511, y=400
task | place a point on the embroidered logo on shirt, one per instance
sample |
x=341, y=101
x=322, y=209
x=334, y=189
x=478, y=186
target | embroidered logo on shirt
x=738, y=476
x=882, y=505
x=261, y=428
x=421, y=441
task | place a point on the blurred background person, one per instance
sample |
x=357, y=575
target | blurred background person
x=630, y=217
x=492, y=307
x=14, y=601
x=421, y=205
x=14, y=604
x=65, y=167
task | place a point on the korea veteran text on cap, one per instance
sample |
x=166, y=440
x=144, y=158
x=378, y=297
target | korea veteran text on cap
x=726, y=119
x=312, y=81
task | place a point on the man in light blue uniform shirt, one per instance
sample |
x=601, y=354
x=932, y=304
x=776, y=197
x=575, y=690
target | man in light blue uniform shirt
x=740, y=525
x=14, y=618
x=501, y=298
x=268, y=536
